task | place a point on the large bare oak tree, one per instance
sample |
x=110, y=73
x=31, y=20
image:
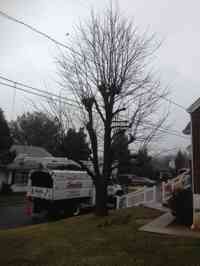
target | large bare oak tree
x=107, y=74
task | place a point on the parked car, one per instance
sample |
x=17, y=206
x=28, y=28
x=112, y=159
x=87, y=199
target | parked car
x=142, y=181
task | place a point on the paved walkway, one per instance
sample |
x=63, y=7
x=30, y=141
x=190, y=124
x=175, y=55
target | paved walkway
x=156, y=206
x=162, y=225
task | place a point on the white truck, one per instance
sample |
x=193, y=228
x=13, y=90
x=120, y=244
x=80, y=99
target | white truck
x=62, y=187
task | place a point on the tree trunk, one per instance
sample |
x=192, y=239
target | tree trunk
x=101, y=197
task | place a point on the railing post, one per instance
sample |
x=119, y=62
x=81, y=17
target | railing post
x=127, y=205
x=163, y=191
x=117, y=202
x=145, y=194
x=172, y=186
x=154, y=193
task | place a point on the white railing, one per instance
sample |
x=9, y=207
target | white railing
x=19, y=188
x=171, y=185
x=142, y=196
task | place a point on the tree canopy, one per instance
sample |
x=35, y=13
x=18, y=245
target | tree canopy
x=39, y=129
x=75, y=146
x=142, y=164
x=120, y=152
x=181, y=160
x=36, y=129
x=107, y=75
x=5, y=141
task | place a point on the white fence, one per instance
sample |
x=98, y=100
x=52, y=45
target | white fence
x=142, y=196
x=171, y=185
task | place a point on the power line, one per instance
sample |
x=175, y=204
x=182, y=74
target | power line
x=173, y=102
x=5, y=15
x=35, y=93
x=161, y=129
x=165, y=130
x=36, y=89
x=152, y=125
x=34, y=29
x=46, y=97
x=176, y=132
x=13, y=103
x=58, y=98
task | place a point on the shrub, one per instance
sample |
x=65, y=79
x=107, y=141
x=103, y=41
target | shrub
x=181, y=205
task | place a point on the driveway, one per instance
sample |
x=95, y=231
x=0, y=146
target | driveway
x=13, y=212
x=13, y=216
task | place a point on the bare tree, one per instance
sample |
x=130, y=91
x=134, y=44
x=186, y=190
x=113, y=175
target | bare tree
x=107, y=74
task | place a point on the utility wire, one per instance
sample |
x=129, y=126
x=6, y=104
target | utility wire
x=175, y=132
x=35, y=93
x=34, y=29
x=173, y=102
x=5, y=15
x=13, y=103
x=36, y=89
x=152, y=125
x=165, y=130
x=162, y=129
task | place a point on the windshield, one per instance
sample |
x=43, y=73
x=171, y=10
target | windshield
x=41, y=179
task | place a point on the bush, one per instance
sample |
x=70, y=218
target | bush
x=181, y=205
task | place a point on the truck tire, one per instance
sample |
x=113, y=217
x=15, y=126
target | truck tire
x=76, y=210
x=119, y=193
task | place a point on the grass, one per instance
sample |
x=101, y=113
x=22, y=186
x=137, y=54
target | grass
x=88, y=240
x=12, y=199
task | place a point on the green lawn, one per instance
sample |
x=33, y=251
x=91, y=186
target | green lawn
x=88, y=240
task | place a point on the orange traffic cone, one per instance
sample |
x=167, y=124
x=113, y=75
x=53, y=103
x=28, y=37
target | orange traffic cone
x=28, y=207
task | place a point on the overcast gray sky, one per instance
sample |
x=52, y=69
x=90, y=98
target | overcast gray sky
x=29, y=58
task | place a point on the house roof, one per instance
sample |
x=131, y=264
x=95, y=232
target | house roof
x=32, y=151
x=29, y=163
x=194, y=106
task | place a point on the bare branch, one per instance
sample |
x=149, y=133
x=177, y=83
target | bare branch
x=108, y=75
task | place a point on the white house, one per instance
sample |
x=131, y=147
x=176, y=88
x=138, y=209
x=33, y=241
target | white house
x=16, y=173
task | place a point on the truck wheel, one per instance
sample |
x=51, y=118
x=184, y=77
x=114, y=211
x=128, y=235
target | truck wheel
x=119, y=193
x=76, y=210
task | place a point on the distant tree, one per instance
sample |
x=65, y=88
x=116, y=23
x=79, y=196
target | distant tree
x=181, y=160
x=5, y=141
x=37, y=129
x=161, y=164
x=40, y=129
x=120, y=152
x=106, y=74
x=75, y=146
x=142, y=164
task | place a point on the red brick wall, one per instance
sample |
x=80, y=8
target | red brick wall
x=196, y=150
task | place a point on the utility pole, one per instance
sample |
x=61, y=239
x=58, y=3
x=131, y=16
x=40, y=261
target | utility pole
x=13, y=102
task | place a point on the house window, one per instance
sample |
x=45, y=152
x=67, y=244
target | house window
x=21, y=178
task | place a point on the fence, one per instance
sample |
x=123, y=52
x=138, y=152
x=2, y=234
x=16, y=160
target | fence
x=173, y=184
x=149, y=194
x=142, y=196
